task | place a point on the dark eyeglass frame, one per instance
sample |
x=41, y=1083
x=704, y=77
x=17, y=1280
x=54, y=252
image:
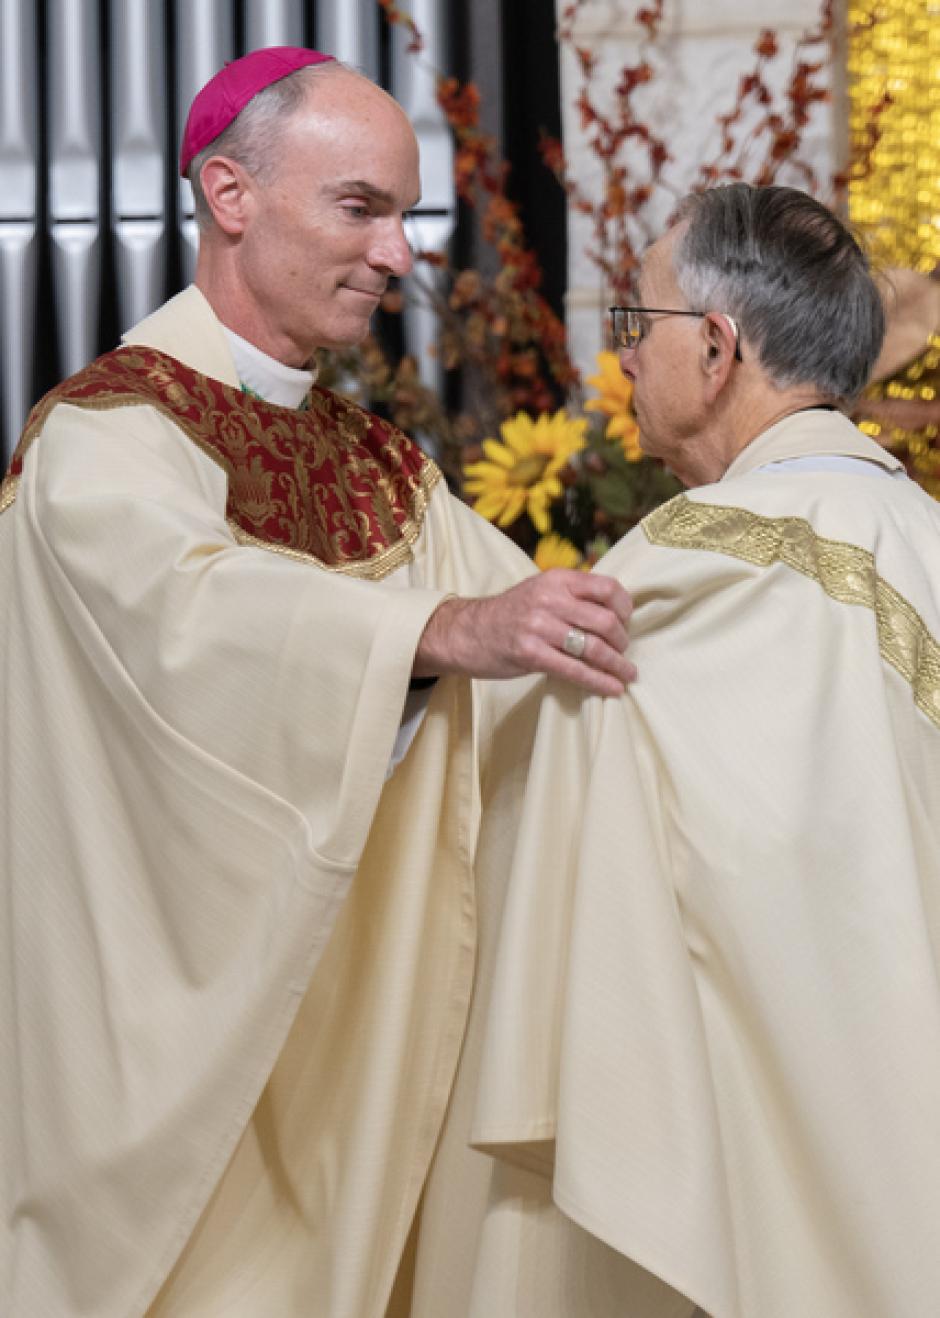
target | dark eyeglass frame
x=631, y=336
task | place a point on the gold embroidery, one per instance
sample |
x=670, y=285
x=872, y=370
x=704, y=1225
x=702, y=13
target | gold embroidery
x=371, y=569
x=8, y=487
x=334, y=486
x=845, y=572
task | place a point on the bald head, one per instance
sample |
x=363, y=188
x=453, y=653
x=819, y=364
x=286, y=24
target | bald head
x=255, y=139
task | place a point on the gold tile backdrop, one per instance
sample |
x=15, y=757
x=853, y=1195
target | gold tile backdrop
x=894, y=47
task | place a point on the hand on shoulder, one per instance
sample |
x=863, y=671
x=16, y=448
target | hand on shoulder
x=569, y=624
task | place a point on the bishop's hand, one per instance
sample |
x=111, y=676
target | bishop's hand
x=569, y=624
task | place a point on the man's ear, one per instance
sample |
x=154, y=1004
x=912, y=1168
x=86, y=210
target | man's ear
x=228, y=193
x=719, y=345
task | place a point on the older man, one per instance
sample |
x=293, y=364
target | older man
x=714, y=1017
x=224, y=1063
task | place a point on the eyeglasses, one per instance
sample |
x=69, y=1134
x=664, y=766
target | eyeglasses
x=631, y=325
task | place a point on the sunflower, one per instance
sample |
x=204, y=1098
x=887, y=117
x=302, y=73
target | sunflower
x=555, y=551
x=616, y=393
x=521, y=473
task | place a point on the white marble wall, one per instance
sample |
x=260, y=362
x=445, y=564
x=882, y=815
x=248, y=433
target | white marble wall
x=703, y=49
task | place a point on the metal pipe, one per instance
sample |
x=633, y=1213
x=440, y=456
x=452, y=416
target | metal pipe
x=138, y=122
x=19, y=197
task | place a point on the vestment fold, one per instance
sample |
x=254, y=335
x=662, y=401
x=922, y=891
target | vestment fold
x=199, y=928
x=713, y=1022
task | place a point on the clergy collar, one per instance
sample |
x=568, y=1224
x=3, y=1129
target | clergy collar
x=265, y=377
x=815, y=431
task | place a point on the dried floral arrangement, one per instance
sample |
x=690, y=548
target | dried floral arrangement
x=551, y=458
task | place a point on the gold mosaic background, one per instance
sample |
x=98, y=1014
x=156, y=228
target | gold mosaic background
x=894, y=46
x=898, y=207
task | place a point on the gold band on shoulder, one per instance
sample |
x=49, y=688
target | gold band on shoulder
x=846, y=573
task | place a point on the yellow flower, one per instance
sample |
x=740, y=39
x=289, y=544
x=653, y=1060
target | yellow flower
x=520, y=475
x=616, y=394
x=555, y=551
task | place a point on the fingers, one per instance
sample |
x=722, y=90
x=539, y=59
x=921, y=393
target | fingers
x=597, y=621
x=598, y=680
x=523, y=630
x=593, y=588
x=601, y=670
x=599, y=607
x=597, y=656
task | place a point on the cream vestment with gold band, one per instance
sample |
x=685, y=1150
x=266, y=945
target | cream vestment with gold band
x=236, y=970
x=708, y=1036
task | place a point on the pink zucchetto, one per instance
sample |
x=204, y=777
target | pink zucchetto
x=225, y=95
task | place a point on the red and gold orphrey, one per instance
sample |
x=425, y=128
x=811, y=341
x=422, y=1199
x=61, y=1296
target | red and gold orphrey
x=333, y=484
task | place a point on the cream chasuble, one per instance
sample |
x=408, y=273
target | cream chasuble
x=706, y=1043
x=236, y=970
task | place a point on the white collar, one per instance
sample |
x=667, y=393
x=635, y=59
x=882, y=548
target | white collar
x=260, y=374
x=811, y=431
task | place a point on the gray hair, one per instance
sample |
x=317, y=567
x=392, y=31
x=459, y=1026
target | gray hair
x=252, y=138
x=792, y=276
